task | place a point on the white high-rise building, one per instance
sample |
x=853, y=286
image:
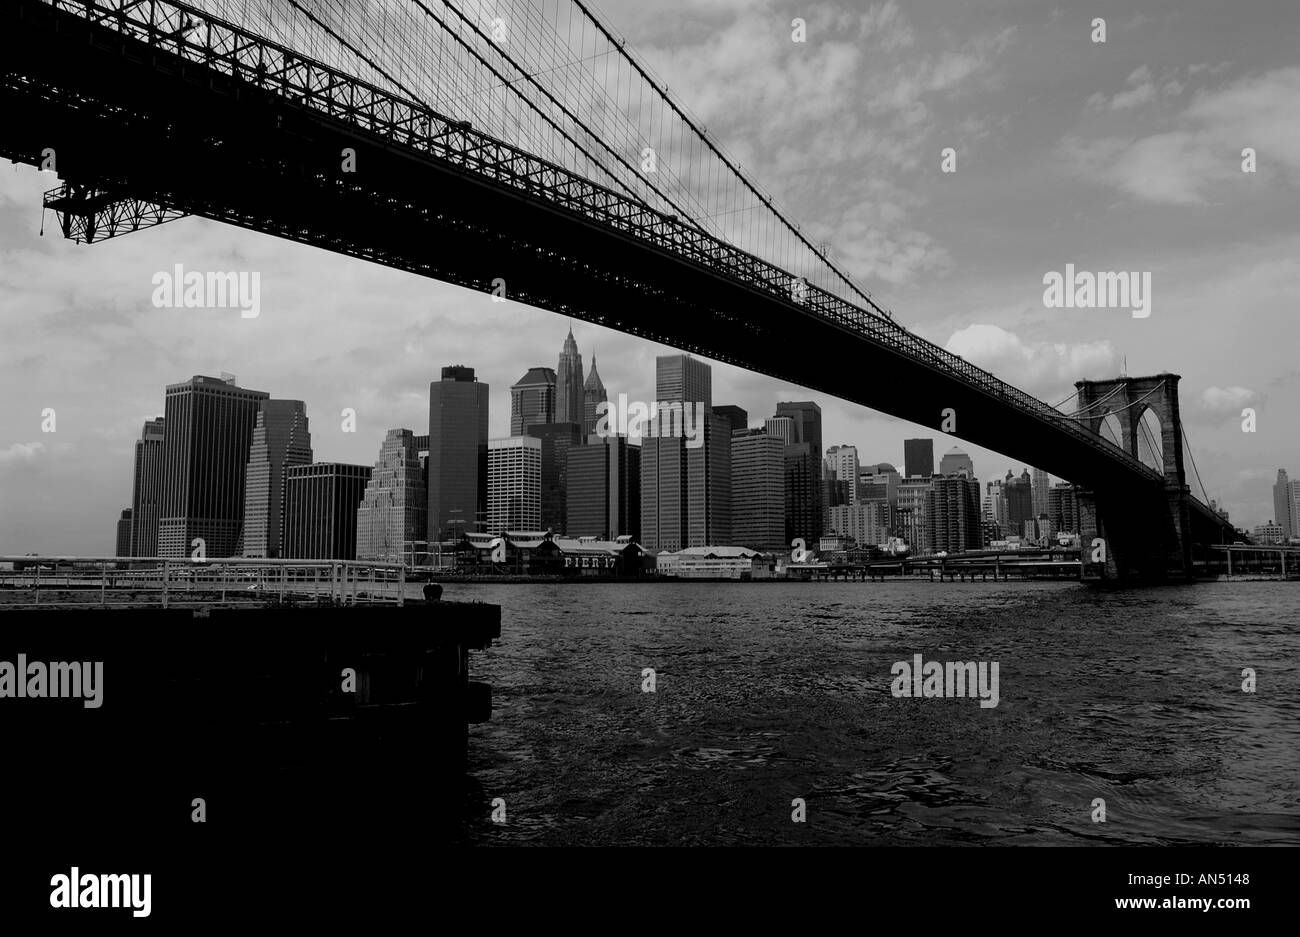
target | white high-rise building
x=514, y=500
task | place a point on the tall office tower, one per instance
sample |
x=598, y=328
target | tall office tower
x=123, y=545
x=737, y=417
x=758, y=490
x=532, y=400
x=952, y=515
x=146, y=490
x=918, y=458
x=685, y=483
x=593, y=395
x=843, y=461
x=207, y=430
x=320, y=510
x=909, y=517
x=1020, y=500
x=997, y=503
x=280, y=438
x=878, y=479
x=604, y=480
x=803, y=471
x=1063, y=508
x=807, y=418
x=393, y=515
x=1041, y=483
x=421, y=444
x=955, y=462
x=1282, y=505
x=867, y=522
x=803, y=493
x=514, y=484
x=568, y=384
x=557, y=439
x=458, y=454
x=783, y=428
x=683, y=379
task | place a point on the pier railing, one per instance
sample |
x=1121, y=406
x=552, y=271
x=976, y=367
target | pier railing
x=96, y=582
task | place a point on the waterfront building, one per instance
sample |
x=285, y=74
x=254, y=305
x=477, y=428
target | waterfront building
x=320, y=510
x=208, y=427
x=557, y=439
x=393, y=516
x=458, y=453
x=123, y=546
x=514, y=484
x=280, y=438
x=146, y=490
x=604, y=489
x=952, y=515
x=758, y=490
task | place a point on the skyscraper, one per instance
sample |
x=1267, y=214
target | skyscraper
x=910, y=516
x=604, y=489
x=843, y=463
x=1040, y=482
x=593, y=394
x=320, y=510
x=1020, y=501
x=146, y=490
x=1282, y=505
x=394, y=511
x=803, y=470
x=918, y=458
x=557, y=439
x=955, y=462
x=458, y=447
x=686, y=489
x=783, y=428
x=280, y=438
x=952, y=515
x=532, y=400
x=758, y=490
x=514, y=484
x=123, y=545
x=568, y=384
x=1063, y=508
x=207, y=431
x=737, y=417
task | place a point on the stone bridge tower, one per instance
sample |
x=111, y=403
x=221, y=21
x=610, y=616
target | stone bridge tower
x=1142, y=536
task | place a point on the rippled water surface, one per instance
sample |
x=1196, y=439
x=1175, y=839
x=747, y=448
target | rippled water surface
x=770, y=692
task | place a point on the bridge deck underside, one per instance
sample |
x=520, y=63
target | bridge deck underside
x=136, y=121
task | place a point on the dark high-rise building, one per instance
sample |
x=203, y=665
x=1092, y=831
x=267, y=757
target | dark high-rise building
x=207, y=431
x=394, y=512
x=918, y=458
x=952, y=515
x=320, y=510
x=593, y=394
x=124, y=534
x=1063, y=508
x=146, y=491
x=758, y=490
x=458, y=454
x=1019, y=496
x=804, y=490
x=803, y=493
x=557, y=439
x=737, y=417
x=807, y=418
x=604, y=477
x=280, y=438
x=532, y=400
x=568, y=384
x=1282, y=506
x=685, y=483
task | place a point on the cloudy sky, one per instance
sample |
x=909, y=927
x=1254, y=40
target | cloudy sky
x=1125, y=155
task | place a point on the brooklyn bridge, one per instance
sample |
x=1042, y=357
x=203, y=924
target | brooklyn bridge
x=528, y=152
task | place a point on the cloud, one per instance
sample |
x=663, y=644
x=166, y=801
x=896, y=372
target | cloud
x=1223, y=403
x=1041, y=368
x=21, y=453
x=1181, y=165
